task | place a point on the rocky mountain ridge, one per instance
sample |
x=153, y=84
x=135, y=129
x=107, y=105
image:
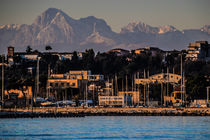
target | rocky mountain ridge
x=54, y=27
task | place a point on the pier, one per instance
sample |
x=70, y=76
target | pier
x=82, y=112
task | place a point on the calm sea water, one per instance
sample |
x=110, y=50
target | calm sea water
x=107, y=127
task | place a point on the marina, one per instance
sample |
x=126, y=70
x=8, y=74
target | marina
x=84, y=87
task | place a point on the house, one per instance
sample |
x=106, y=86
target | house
x=21, y=93
x=119, y=52
x=160, y=78
x=175, y=97
x=153, y=51
x=111, y=100
x=66, y=55
x=199, y=103
x=29, y=56
x=108, y=89
x=11, y=54
x=76, y=80
x=131, y=97
x=200, y=50
x=72, y=79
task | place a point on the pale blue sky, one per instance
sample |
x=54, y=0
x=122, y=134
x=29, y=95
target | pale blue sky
x=183, y=14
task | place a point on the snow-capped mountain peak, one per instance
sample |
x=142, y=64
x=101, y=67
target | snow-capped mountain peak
x=139, y=27
x=135, y=27
x=206, y=28
x=166, y=28
x=46, y=17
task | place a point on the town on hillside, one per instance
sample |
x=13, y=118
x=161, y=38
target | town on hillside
x=145, y=77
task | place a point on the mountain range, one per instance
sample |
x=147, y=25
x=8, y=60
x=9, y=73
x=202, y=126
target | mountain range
x=63, y=33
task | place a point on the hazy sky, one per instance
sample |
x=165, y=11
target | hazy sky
x=183, y=14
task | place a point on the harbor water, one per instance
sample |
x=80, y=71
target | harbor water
x=107, y=127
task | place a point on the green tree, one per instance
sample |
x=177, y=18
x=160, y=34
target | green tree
x=196, y=87
x=89, y=60
x=28, y=49
x=48, y=48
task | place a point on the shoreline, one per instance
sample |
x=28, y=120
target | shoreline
x=82, y=112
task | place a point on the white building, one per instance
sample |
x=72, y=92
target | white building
x=111, y=100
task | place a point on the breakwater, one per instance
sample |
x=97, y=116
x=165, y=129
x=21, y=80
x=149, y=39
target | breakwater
x=38, y=115
x=81, y=112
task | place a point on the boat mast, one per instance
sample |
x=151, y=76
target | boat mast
x=181, y=81
x=207, y=96
x=126, y=89
x=148, y=89
x=144, y=87
x=86, y=94
x=132, y=76
x=116, y=85
x=112, y=87
x=161, y=93
x=138, y=89
x=132, y=81
x=2, y=77
x=94, y=94
x=173, y=83
x=48, y=84
x=84, y=90
x=122, y=85
x=167, y=81
x=37, y=77
x=184, y=88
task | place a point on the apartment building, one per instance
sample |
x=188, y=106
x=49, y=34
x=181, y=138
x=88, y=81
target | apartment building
x=199, y=50
x=73, y=79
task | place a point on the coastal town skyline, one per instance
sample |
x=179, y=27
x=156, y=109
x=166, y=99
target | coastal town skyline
x=96, y=69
